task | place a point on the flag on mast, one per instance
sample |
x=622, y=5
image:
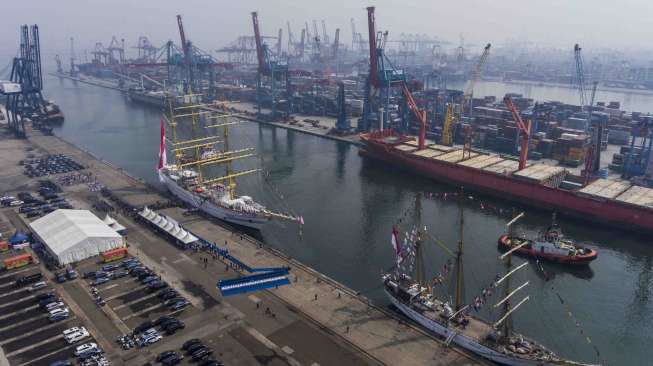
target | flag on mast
x=396, y=245
x=162, y=150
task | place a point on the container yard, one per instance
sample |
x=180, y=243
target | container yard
x=272, y=194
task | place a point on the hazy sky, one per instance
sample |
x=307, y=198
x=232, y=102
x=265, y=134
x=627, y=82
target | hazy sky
x=211, y=24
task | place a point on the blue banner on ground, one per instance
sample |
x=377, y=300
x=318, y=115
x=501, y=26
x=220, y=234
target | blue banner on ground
x=254, y=282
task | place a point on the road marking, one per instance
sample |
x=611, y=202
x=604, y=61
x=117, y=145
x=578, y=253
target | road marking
x=13, y=292
x=16, y=272
x=272, y=346
x=134, y=301
x=124, y=293
x=143, y=311
x=47, y=355
x=34, y=345
x=23, y=310
x=16, y=301
x=45, y=327
x=22, y=322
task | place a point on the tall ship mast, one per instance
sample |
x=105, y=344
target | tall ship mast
x=193, y=141
x=450, y=318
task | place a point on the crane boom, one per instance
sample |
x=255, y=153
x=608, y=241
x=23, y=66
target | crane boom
x=476, y=73
x=336, y=41
x=185, y=47
x=524, y=129
x=371, y=28
x=580, y=75
x=420, y=114
x=259, y=46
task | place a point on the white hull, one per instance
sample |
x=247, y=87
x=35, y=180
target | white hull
x=231, y=216
x=461, y=340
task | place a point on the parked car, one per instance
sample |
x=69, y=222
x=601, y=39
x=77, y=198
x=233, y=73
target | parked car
x=165, y=354
x=166, y=291
x=44, y=303
x=190, y=342
x=84, y=347
x=179, y=305
x=37, y=286
x=44, y=295
x=119, y=274
x=156, y=285
x=99, y=281
x=16, y=203
x=173, y=300
x=201, y=354
x=172, y=360
x=109, y=267
x=71, y=274
x=61, y=363
x=54, y=305
x=33, y=214
x=211, y=362
x=72, y=330
x=89, y=274
x=194, y=347
x=60, y=277
x=143, y=327
x=59, y=316
x=172, y=328
x=76, y=337
x=28, y=279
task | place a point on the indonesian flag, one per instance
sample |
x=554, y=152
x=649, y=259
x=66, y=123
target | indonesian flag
x=162, y=150
x=396, y=245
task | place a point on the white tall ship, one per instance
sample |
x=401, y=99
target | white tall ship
x=187, y=177
x=496, y=342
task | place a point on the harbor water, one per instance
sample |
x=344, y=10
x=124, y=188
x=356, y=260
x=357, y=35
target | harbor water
x=350, y=204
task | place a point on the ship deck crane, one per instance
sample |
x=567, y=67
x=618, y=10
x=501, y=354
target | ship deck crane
x=524, y=131
x=185, y=46
x=420, y=114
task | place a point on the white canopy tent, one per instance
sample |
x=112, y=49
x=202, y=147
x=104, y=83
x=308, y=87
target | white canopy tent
x=168, y=225
x=73, y=235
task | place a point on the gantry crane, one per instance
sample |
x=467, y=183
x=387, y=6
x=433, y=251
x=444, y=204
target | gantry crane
x=524, y=131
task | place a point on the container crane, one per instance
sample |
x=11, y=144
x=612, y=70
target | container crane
x=524, y=131
x=580, y=75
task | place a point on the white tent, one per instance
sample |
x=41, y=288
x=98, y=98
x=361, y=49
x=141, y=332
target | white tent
x=114, y=224
x=73, y=235
x=168, y=225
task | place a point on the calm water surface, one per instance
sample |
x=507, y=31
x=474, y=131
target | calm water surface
x=350, y=204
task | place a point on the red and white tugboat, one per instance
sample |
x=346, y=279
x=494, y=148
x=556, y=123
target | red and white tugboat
x=550, y=245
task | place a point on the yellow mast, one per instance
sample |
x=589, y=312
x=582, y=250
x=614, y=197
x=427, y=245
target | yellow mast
x=459, y=262
x=231, y=185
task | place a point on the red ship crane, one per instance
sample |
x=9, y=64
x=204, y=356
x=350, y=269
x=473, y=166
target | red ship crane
x=524, y=131
x=420, y=114
x=185, y=46
x=260, y=55
x=371, y=28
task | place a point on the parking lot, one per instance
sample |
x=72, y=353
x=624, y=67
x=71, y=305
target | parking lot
x=27, y=334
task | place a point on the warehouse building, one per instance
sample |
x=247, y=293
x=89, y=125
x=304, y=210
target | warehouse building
x=73, y=235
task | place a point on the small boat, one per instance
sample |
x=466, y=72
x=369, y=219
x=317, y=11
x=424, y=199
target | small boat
x=550, y=245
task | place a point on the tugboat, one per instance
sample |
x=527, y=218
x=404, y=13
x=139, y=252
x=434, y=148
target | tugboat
x=550, y=245
x=414, y=296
